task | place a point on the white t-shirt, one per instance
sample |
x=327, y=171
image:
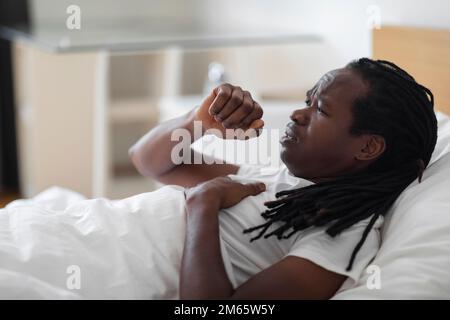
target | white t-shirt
x=243, y=258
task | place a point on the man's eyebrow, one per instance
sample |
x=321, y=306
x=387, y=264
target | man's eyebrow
x=325, y=101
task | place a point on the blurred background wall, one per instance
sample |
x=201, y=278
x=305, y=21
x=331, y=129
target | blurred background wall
x=344, y=23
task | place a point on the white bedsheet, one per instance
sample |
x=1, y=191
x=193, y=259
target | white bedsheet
x=123, y=249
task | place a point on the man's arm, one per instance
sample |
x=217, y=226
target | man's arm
x=227, y=107
x=151, y=156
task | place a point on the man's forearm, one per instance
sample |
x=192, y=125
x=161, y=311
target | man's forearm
x=203, y=274
x=152, y=153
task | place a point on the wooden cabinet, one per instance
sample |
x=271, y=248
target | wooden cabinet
x=77, y=115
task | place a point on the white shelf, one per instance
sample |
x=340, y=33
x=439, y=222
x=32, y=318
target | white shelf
x=134, y=110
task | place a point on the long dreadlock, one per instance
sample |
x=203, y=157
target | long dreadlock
x=395, y=107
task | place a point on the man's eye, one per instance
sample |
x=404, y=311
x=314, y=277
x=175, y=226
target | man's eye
x=319, y=110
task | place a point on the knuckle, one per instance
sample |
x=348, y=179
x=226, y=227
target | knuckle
x=226, y=87
x=259, y=111
x=223, y=94
x=247, y=107
x=235, y=99
x=246, y=123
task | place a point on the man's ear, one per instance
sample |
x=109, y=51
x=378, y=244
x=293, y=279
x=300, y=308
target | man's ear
x=373, y=147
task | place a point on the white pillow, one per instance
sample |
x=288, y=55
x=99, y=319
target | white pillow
x=414, y=258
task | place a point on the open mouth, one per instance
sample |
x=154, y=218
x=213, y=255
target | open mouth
x=289, y=136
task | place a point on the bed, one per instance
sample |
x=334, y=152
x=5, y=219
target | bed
x=413, y=261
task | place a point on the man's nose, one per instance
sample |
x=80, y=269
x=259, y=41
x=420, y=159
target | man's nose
x=300, y=116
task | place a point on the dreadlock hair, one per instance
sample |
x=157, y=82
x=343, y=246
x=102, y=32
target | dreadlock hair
x=395, y=107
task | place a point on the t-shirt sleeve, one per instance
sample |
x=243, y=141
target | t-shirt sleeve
x=334, y=254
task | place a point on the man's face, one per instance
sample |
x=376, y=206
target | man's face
x=318, y=144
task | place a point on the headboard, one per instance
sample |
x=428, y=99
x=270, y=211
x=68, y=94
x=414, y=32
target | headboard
x=423, y=53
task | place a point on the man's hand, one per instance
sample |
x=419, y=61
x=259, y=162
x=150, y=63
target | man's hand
x=222, y=192
x=203, y=274
x=230, y=107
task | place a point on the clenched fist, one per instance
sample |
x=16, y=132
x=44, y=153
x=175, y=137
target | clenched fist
x=230, y=107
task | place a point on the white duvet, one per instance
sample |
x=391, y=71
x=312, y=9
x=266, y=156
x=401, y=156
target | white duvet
x=59, y=245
